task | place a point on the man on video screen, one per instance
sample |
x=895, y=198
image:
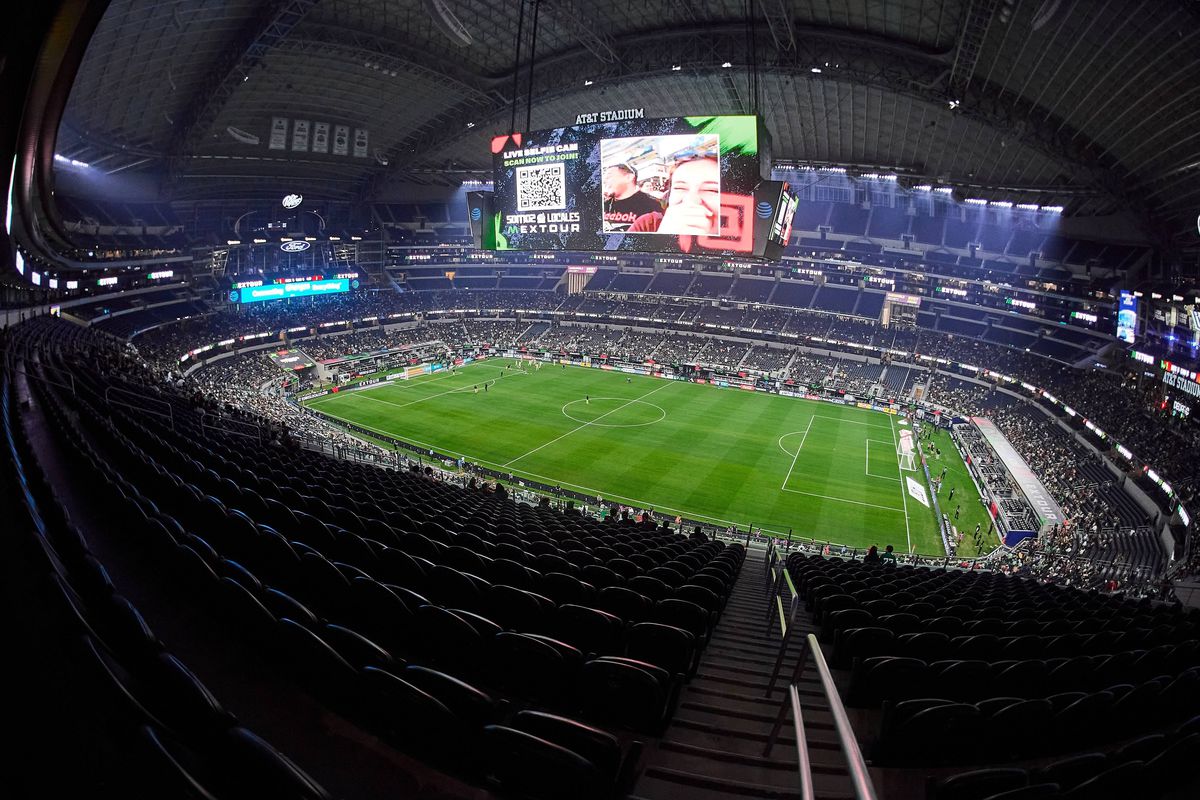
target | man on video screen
x=623, y=200
x=693, y=201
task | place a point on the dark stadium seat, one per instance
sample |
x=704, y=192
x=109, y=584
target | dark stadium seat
x=526, y=765
x=1116, y=783
x=322, y=668
x=625, y=603
x=593, y=631
x=931, y=736
x=356, y=649
x=1038, y=791
x=666, y=646
x=623, y=692
x=563, y=588
x=531, y=668
x=977, y=784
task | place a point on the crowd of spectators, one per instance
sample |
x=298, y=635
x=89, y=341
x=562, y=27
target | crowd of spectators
x=1123, y=404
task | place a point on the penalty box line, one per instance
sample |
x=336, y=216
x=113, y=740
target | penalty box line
x=867, y=470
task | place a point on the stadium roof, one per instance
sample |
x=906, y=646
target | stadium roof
x=1090, y=105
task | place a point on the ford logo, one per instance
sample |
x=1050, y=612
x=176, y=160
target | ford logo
x=764, y=209
x=294, y=247
x=292, y=200
x=476, y=214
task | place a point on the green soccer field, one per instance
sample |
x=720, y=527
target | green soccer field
x=725, y=456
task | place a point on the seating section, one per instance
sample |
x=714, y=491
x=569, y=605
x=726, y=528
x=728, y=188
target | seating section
x=164, y=734
x=1018, y=668
x=489, y=638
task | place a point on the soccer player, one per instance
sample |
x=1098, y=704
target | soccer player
x=587, y=399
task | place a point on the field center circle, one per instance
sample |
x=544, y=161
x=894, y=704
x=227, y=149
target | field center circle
x=607, y=409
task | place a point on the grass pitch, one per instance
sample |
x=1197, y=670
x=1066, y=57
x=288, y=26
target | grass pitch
x=727, y=456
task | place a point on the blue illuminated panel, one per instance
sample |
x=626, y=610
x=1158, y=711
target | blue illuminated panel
x=284, y=291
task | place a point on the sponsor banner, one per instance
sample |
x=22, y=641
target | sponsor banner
x=300, y=135
x=320, y=142
x=360, y=142
x=917, y=491
x=279, y=129
x=341, y=140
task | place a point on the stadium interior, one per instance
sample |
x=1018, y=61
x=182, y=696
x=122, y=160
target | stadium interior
x=931, y=267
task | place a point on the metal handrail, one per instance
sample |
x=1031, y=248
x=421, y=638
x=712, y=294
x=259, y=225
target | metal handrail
x=786, y=624
x=863, y=788
x=856, y=765
x=803, y=763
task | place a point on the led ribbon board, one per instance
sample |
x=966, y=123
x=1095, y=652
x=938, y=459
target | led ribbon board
x=284, y=291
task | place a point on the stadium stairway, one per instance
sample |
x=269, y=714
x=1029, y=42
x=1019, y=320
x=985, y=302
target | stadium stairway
x=714, y=746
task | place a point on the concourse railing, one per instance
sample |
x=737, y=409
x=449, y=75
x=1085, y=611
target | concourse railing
x=856, y=765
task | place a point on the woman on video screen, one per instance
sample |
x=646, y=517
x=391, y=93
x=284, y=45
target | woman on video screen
x=693, y=201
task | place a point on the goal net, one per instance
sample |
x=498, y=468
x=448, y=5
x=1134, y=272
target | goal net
x=906, y=451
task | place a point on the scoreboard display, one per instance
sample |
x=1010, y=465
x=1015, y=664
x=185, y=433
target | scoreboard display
x=680, y=185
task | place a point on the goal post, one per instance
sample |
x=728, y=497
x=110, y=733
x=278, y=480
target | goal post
x=906, y=451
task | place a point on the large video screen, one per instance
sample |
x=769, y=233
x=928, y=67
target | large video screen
x=291, y=360
x=1127, y=317
x=687, y=184
x=284, y=291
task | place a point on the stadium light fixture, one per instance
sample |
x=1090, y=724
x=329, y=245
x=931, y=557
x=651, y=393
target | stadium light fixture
x=976, y=201
x=954, y=104
x=944, y=190
x=470, y=124
x=1027, y=206
x=232, y=241
x=676, y=67
x=587, y=82
x=73, y=162
x=726, y=65
x=815, y=70
x=923, y=187
x=1053, y=209
x=1001, y=204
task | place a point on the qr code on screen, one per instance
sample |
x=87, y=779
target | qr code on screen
x=541, y=188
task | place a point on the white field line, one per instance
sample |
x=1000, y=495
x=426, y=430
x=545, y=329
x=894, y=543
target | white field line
x=844, y=500
x=903, y=489
x=783, y=486
x=591, y=422
x=555, y=481
x=362, y=393
x=867, y=470
x=855, y=422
